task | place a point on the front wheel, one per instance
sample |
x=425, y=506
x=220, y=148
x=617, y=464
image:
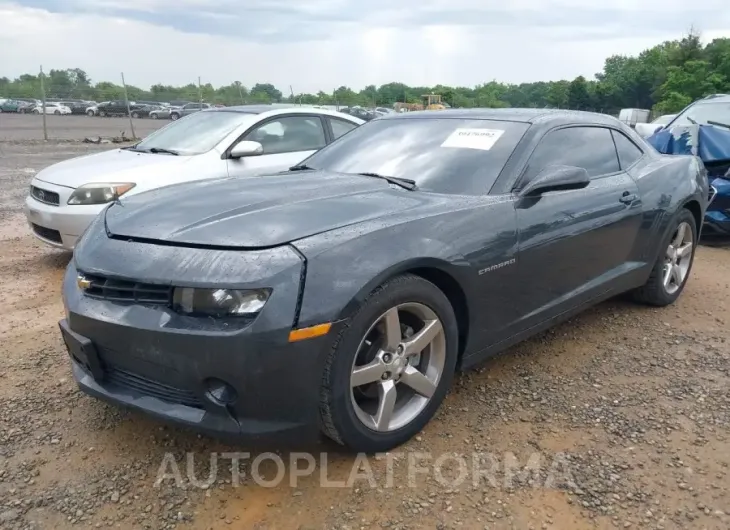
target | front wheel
x=90, y=113
x=390, y=368
x=154, y=116
x=173, y=117
x=671, y=270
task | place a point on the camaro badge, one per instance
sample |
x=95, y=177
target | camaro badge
x=497, y=266
x=83, y=282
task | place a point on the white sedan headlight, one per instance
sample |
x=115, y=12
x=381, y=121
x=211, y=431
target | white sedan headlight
x=99, y=192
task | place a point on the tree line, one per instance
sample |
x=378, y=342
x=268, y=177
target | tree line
x=664, y=78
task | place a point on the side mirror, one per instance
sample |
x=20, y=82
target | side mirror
x=246, y=148
x=554, y=178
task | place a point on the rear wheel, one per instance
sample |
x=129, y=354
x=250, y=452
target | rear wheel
x=57, y=113
x=135, y=115
x=173, y=117
x=90, y=113
x=671, y=270
x=102, y=113
x=391, y=367
x=153, y=116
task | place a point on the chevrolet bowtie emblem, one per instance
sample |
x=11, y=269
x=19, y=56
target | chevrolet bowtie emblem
x=83, y=282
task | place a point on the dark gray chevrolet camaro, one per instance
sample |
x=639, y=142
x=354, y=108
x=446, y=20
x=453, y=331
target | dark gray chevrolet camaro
x=341, y=296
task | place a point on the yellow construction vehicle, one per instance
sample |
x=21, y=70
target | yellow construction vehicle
x=432, y=102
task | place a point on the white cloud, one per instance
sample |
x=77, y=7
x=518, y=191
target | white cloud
x=336, y=42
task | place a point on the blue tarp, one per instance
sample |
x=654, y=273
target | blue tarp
x=711, y=143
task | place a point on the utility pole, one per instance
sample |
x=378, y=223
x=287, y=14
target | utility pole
x=129, y=111
x=43, y=109
x=240, y=92
x=200, y=93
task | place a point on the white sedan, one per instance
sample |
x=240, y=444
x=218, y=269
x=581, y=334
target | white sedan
x=240, y=141
x=52, y=108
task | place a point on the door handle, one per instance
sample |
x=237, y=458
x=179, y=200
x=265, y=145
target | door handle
x=628, y=198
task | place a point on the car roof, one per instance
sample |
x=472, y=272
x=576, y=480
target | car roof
x=274, y=110
x=543, y=116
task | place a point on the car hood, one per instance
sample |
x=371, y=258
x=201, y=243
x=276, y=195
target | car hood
x=116, y=165
x=256, y=212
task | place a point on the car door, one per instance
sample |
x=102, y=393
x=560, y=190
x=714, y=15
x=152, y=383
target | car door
x=286, y=139
x=574, y=245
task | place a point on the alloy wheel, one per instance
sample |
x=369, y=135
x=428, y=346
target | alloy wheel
x=398, y=366
x=678, y=258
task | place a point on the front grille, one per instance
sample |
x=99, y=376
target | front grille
x=45, y=196
x=47, y=233
x=148, y=387
x=127, y=291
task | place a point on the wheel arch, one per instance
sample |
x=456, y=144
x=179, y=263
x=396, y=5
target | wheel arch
x=696, y=210
x=438, y=272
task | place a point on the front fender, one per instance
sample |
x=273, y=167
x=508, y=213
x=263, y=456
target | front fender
x=340, y=267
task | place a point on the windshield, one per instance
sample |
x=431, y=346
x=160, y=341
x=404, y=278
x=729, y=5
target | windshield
x=702, y=112
x=196, y=133
x=443, y=155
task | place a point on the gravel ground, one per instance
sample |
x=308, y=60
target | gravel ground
x=623, y=414
x=20, y=127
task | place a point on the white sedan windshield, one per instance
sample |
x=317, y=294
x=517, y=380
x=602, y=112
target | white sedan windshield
x=195, y=134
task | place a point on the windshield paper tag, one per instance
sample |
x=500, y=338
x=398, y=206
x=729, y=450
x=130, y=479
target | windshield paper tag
x=482, y=139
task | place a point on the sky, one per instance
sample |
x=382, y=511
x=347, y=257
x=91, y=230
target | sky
x=314, y=45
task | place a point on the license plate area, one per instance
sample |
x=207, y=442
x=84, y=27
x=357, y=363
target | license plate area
x=82, y=350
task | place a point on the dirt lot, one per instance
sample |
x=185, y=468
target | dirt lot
x=624, y=411
x=14, y=127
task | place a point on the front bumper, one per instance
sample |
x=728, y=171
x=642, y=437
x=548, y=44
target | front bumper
x=58, y=226
x=153, y=360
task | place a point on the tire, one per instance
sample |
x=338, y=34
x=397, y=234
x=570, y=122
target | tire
x=174, y=117
x=154, y=116
x=102, y=114
x=90, y=113
x=342, y=404
x=1, y=111
x=36, y=112
x=135, y=115
x=57, y=112
x=656, y=291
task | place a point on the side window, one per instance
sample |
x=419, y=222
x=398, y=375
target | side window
x=340, y=127
x=289, y=134
x=591, y=148
x=628, y=153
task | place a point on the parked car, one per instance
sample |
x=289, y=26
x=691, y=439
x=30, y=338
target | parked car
x=342, y=296
x=360, y=112
x=65, y=197
x=10, y=105
x=704, y=131
x=78, y=107
x=115, y=108
x=163, y=113
x=143, y=111
x=52, y=108
x=27, y=105
x=188, y=109
x=94, y=109
x=647, y=129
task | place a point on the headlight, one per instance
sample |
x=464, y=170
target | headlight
x=219, y=302
x=99, y=193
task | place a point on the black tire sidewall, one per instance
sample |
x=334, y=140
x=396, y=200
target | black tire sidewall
x=683, y=216
x=398, y=291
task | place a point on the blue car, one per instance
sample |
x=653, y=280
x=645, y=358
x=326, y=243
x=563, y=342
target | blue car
x=703, y=129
